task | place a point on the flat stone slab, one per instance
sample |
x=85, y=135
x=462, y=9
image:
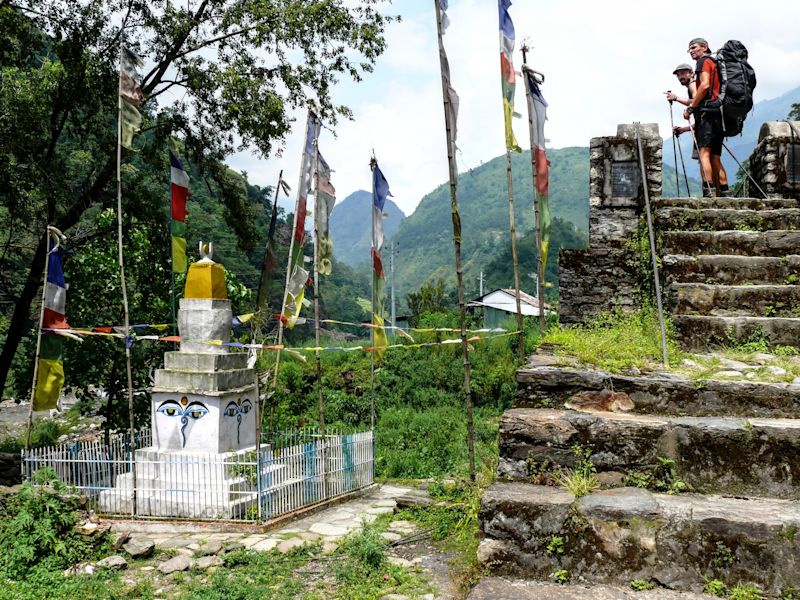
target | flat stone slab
x=659, y=393
x=731, y=269
x=752, y=456
x=721, y=219
x=616, y=536
x=699, y=332
x=734, y=300
x=738, y=203
x=743, y=243
x=498, y=588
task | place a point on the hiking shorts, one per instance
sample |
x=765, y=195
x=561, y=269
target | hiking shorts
x=708, y=131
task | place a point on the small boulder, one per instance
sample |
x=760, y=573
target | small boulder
x=181, y=562
x=213, y=547
x=115, y=563
x=204, y=562
x=139, y=547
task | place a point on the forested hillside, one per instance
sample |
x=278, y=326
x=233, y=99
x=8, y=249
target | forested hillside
x=426, y=237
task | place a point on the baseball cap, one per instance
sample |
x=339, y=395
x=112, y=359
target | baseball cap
x=682, y=67
x=699, y=40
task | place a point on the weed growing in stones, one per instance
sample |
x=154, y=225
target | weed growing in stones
x=556, y=545
x=723, y=556
x=366, y=547
x=581, y=480
x=746, y=591
x=641, y=585
x=665, y=477
x=788, y=533
x=715, y=587
x=561, y=576
x=790, y=593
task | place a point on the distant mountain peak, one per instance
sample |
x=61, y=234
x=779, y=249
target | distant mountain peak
x=351, y=226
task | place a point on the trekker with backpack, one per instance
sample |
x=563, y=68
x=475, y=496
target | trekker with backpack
x=708, y=127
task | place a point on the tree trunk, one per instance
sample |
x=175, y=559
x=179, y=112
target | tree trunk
x=21, y=316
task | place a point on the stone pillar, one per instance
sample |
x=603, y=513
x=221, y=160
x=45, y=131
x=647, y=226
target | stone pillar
x=606, y=275
x=775, y=162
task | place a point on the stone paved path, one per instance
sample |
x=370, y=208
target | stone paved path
x=196, y=545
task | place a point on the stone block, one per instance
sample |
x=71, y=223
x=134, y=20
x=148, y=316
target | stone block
x=612, y=537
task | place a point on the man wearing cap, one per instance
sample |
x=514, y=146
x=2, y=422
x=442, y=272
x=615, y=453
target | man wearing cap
x=685, y=75
x=708, y=123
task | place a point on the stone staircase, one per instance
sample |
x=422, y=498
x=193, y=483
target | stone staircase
x=720, y=459
x=732, y=269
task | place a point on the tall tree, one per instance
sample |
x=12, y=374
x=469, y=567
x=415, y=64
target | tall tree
x=223, y=75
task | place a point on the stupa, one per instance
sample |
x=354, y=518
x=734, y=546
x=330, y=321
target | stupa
x=203, y=415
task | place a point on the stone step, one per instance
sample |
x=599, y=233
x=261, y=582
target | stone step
x=733, y=203
x=727, y=455
x=659, y=393
x=741, y=243
x=732, y=270
x=735, y=300
x=698, y=332
x=501, y=588
x=719, y=219
x=620, y=535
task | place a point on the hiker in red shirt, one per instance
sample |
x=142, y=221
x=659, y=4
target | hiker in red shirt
x=708, y=123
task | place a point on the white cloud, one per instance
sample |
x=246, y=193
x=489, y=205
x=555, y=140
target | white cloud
x=605, y=63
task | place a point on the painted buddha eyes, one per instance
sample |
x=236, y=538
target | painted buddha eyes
x=170, y=408
x=233, y=409
x=196, y=411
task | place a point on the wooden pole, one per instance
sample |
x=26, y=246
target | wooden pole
x=125, y=291
x=656, y=280
x=453, y=174
x=300, y=190
x=540, y=258
x=512, y=226
x=372, y=164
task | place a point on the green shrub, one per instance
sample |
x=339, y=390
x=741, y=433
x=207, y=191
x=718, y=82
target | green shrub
x=641, y=585
x=746, y=591
x=39, y=530
x=366, y=547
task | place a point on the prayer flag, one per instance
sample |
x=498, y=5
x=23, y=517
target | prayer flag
x=380, y=191
x=538, y=107
x=131, y=96
x=294, y=296
x=507, y=75
x=325, y=199
x=179, y=179
x=50, y=368
x=452, y=96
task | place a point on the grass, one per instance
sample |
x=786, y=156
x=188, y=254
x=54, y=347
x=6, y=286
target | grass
x=616, y=342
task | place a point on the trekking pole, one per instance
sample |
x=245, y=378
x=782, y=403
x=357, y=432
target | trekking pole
x=746, y=172
x=651, y=235
x=702, y=169
x=674, y=151
x=685, y=178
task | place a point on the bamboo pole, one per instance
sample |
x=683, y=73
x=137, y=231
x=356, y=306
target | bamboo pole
x=300, y=190
x=512, y=227
x=124, y=289
x=453, y=174
x=540, y=258
x=317, y=357
x=273, y=219
x=656, y=280
x=372, y=164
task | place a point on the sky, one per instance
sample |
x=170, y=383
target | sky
x=605, y=62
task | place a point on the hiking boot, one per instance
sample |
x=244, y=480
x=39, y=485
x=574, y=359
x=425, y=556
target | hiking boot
x=724, y=192
x=707, y=193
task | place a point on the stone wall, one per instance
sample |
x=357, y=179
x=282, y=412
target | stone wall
x=605, y=275
x=775, y=162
